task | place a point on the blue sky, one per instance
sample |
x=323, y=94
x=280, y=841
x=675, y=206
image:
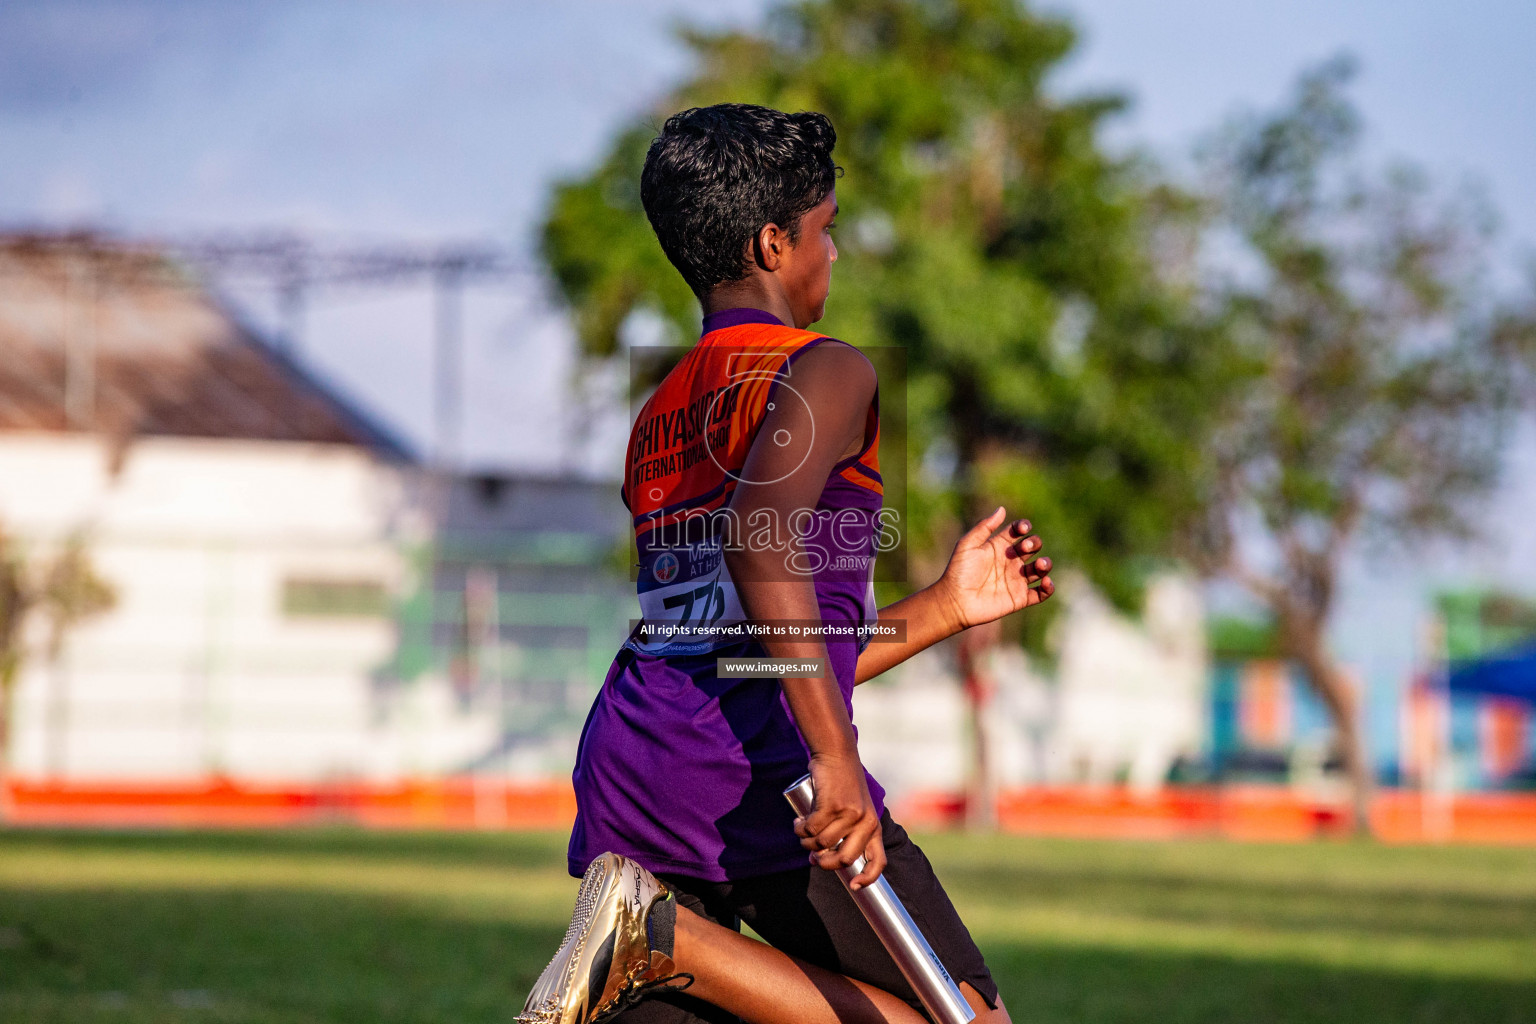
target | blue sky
x=427, y=119
x=422, y=121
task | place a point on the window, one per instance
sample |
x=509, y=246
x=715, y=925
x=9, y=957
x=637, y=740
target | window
x=316, y=598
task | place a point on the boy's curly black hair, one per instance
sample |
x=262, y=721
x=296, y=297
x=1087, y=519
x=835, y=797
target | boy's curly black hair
x=715, y=175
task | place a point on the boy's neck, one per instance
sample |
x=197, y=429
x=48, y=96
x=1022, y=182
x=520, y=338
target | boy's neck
x=751, y=292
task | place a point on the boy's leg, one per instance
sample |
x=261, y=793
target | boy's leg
x=761, y=984
x=682, y=941
x=694, y=898
x=764, y=985
x=808, y=914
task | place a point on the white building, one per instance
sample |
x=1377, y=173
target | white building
x=295, y=596
x=1124, y=701
x=1132, y=697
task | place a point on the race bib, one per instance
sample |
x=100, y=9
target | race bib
x=688, y=602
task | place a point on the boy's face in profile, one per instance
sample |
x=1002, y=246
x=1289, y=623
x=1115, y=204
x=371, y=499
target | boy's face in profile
x=806, y=271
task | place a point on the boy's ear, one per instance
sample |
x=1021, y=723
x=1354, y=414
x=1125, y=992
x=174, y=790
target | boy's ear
x=768, y=247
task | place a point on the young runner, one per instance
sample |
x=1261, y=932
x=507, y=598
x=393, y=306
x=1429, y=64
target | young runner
x=753, y=477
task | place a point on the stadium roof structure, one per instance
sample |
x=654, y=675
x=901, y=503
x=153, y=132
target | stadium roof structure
x=100, y=335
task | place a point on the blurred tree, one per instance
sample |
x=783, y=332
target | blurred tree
x=1041, y=288
x=65, y=591
x=15, y=602
x=1381, y=368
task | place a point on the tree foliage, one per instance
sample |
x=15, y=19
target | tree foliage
x=1038, y=285
x=64, y=590
x=1380, y=367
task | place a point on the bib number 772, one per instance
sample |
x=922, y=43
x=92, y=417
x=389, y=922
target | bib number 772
x=710, y=599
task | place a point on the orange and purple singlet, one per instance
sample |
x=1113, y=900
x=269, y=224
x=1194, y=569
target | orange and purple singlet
x=678, y=768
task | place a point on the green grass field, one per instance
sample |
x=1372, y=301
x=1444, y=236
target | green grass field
x=366, y=927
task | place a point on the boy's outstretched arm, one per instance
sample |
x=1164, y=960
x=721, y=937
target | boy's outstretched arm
x=801, y=438
x=988, y=576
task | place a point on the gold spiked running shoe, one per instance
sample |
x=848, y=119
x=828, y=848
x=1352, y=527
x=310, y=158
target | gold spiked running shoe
x=609, y=957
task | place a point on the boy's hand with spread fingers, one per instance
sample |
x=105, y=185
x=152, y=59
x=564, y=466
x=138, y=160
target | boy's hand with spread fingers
x=991, y=575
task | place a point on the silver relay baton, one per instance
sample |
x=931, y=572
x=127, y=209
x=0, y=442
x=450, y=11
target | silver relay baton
x=897, y=931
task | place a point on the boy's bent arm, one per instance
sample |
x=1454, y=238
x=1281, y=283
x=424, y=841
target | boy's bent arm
x=781, y=482
x=929, y=616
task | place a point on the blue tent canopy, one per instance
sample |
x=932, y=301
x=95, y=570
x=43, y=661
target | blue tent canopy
x=1512, y=674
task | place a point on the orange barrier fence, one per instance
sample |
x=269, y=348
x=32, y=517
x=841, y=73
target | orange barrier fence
x=449, y=803
x=1243, y=813
x=1258, y=813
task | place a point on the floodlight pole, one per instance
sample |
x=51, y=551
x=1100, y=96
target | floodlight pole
x=448, y=360
x=292, y=280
